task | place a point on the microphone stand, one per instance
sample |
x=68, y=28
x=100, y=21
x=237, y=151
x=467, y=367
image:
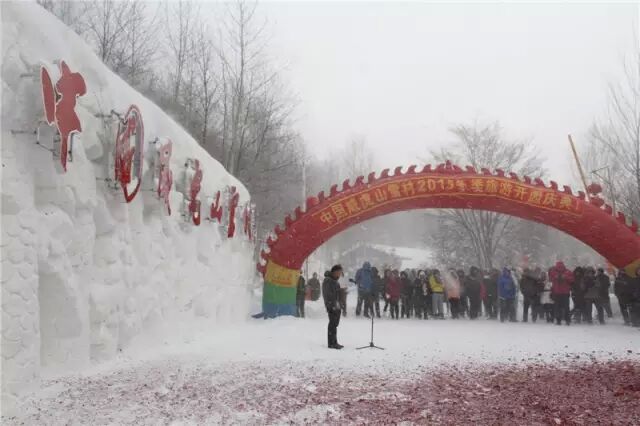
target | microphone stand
x=371, y=344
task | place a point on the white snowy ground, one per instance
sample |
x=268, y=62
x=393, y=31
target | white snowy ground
x=230, y=374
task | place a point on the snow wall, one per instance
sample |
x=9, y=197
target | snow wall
x=83, y=272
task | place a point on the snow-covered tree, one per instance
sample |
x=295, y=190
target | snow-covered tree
x=490, y=235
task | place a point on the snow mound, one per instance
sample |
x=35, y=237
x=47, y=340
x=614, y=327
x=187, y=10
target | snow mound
x=84, y=272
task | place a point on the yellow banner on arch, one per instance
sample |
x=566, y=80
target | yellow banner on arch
x=281, y=276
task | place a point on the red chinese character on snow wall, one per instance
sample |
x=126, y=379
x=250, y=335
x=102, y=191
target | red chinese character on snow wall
x=233, y=204
x=194, y=203
x=128, y=158
x=165, y=175
x=59, y=107
x=216, y=209
x=247, y=220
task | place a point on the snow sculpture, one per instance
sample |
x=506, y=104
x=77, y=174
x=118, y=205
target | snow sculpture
x=162, y=171
x=128, y=159
x=234, y=198
x=248, y=216
x=191, y=190
x=216, y=209
x=59, y=106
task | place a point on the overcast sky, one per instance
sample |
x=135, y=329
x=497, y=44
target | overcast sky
x=401, y=73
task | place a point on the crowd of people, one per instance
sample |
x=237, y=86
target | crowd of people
x=555, y=295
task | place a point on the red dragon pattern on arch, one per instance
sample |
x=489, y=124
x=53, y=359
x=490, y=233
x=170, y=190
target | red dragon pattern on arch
x=588, y=219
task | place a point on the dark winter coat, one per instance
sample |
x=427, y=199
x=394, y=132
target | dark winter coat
x=577, y=288
x=473, y=284
x=300, y=291
x=635, y=290
x=407, y=286
x=622, y=287
x=529, y=285
x=378, y=283
x=604, y=283
x=421, y=288
x=491, y=285
x=506, y=285
x=331, y=293
x=462, y=279
x=591, y=292
x=314, y=285
x=561, y=279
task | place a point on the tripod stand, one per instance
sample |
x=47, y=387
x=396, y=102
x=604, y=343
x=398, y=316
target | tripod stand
x=371, y=345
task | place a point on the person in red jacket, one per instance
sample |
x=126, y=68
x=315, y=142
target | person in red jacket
x=562, y=280
x=394, y=290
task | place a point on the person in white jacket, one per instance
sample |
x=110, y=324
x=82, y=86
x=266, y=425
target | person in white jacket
x=545, y=298
x=344, y=289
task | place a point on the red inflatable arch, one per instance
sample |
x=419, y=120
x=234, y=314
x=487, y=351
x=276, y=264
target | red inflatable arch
x=589, y=220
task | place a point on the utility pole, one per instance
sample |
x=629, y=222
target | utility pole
x=607, y=180
x=575, y=156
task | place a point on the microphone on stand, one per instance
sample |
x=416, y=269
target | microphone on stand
x=371, y=344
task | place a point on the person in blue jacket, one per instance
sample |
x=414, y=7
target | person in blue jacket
x=364, y=280
x=507, y=295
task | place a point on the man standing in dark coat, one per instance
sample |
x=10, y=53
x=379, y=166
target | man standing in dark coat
x=407, y=294
x=635, y=299
x=331, y=295
x=592, y=297
x=314, y=285
x=472, y=286
x=491, y=287
x=377, y=290
x=622, y=290
x=464, y=297
x=300, y=296
x=529, y=287
x=604, y=283
x=577, y=294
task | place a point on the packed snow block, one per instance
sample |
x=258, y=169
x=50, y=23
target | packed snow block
x=104, y=316
x=93, y=146
x=10, y=204
x=20, y=342
x=63, y=333
x=20, y=329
